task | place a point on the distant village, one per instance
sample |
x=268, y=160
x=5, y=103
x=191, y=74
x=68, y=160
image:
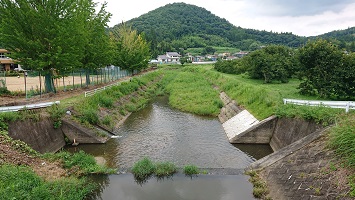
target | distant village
x=7, y=64
x=174, y=57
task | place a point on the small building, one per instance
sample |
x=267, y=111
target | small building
x=6, y=63
x=169, y=57
x=241, y=54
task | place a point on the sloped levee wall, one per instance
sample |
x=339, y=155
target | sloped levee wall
x=40, y=135
x=43, y=137
x=289, y=130
x=81, y=134
x=242, y=127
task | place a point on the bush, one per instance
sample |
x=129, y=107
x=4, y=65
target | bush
x=191, y=170
x=4, y=91
x=165, y=169
x=230, y=66
x=89, y=115
x=143, y=169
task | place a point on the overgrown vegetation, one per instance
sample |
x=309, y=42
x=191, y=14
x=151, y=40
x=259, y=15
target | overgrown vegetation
x=320, y=114
x=190, y=170
x=20, y=182
x=145, y=168
x=342, y=139
x=259, y=186
x=135, y=93
x=191, y=92
x=79, y=163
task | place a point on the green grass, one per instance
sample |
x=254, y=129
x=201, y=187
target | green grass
x=88, y=109
x=259, y=186
x=191, y=92
x=163, y=169
x=191, y=170
x=19, y=182
x=342, y=139
x=143, y=169
x=79, y=163
x=319, y=114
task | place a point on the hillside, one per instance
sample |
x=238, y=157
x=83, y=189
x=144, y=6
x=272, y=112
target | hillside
x=181, y=25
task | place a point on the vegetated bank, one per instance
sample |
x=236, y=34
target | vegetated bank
x=262, y=100
x=196, y=89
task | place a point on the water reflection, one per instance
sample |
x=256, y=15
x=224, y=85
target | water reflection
x=165, y=134
x=207, y=187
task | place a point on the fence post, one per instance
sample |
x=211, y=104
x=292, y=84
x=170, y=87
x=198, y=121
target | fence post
x=347, y=107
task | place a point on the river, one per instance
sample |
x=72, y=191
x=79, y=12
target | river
x=166, y=134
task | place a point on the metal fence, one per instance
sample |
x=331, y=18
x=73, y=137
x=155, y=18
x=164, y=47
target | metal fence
x=2, y=79
x=347, y=105
x=33, y=83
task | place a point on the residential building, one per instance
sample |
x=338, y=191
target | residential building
x=169, y=57
x=6, y=63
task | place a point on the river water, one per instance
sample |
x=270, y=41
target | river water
x=166, y=134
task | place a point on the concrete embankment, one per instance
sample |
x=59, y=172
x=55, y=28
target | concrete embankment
x=242, y=127
x=43, y=137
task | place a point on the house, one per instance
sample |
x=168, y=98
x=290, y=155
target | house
x=6, y=63
x=241, y=54
x=169, y=57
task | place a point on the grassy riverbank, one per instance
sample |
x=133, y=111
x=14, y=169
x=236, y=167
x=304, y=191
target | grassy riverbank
x=26, y=174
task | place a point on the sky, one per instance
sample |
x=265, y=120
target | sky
x=301, y=17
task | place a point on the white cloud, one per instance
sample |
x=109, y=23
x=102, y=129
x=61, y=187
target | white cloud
x=301, y=17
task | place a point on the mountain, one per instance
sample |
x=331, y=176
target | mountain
x=180, y=25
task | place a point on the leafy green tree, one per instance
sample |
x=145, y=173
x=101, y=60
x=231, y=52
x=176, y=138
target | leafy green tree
x=97, y=51
x=326, y=71
x=132, y=50
x=43, y=35
x=208, y=50
x=274, y=62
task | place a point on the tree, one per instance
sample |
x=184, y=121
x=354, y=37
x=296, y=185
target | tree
x=208, y=50
x=97, y=50
x=326, y=71
x=274, y=62
x=43, y=35
x=132, y=50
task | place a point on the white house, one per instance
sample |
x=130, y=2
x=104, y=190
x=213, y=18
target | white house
x=169, y=57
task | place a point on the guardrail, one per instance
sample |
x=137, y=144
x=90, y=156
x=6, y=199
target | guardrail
x=28, y=107
x=347, y=105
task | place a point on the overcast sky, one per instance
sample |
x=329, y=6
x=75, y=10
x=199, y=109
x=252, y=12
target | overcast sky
x=301, y=17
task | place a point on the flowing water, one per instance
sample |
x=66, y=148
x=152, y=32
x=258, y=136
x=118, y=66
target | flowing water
x=166, y=134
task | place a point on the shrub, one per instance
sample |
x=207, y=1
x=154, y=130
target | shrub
x=143, y=169
x=165, y=169
x=191, y=170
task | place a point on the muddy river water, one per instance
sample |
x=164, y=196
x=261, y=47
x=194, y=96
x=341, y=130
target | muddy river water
x=166, y=134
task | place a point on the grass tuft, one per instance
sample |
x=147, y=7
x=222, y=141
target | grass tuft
x=143, y=169
x=191, y=170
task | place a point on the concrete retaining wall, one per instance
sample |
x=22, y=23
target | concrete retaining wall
x=260, y=133
x=80, y=133
x=242, y=127
x=289, y=130
x=40, y=135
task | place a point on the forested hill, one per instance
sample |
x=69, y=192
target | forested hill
x=185, y=26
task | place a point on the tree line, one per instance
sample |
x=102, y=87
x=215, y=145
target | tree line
x=57, y=37
x=325, y=70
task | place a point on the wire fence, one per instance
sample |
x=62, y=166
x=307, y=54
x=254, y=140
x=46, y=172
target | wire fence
x=32, y=82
